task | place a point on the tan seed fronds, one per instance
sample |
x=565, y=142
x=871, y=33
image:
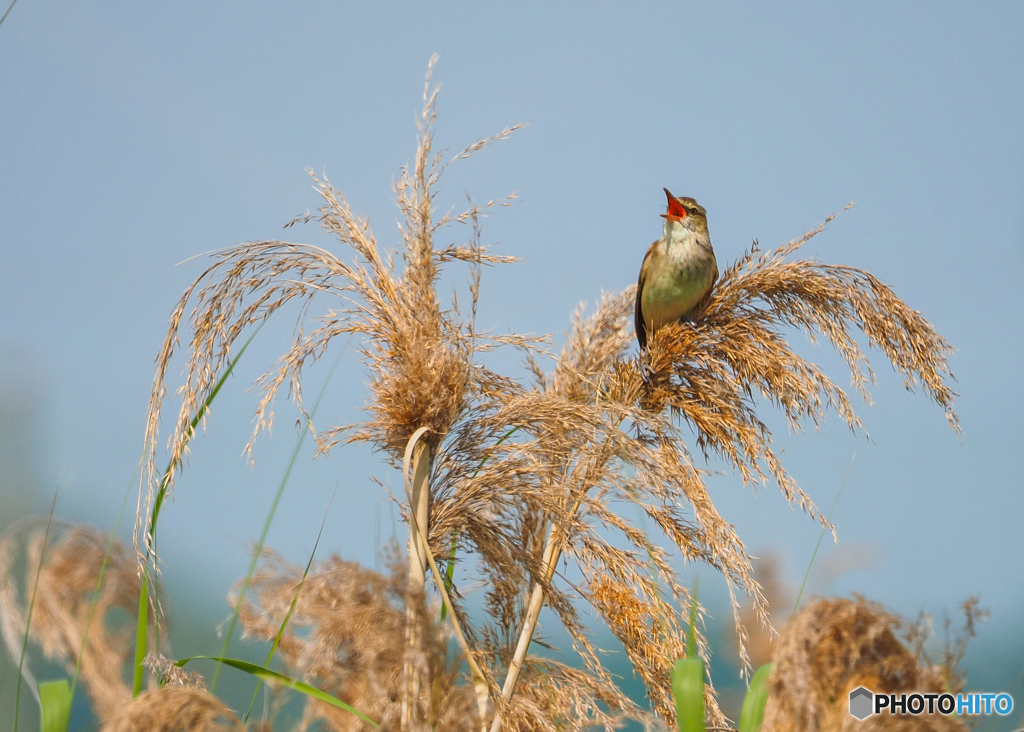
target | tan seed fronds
x=552, y=697
x=831, y=647
x=61, y=613
x=779, y=597
x=921, y=632
x=735, y=351
x=347, y=637
x=171, y=674
x=420, y=355
x=172, y=709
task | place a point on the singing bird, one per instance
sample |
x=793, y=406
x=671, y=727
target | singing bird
x=678, y=271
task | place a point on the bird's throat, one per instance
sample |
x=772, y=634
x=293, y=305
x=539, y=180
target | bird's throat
x=674, y=230
x=682, y=244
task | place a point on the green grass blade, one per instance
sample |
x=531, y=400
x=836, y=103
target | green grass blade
x=165, y=480
x=688, y=690
x=142, y=622
x=258, y=550
x=291, y=609
x=796, y=605
x=688, y=678
x=31, y=607
x=755, y=700
x=268, y=675
x=691, y=632
x=141, y=635
x=9, y=9
x=54, y=706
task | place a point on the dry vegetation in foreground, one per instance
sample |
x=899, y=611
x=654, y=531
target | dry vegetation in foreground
x=347, y=636
x=832, y=646
x=518, y=476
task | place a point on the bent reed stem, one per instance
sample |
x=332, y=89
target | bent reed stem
x=418, y=495
x=416, y=530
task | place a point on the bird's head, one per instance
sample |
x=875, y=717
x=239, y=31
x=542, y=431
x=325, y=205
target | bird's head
x=684, y=213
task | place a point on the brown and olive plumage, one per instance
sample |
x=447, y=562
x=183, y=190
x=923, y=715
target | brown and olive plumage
x=678, y=271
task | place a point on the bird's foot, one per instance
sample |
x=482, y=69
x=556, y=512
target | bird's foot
x=647, y=374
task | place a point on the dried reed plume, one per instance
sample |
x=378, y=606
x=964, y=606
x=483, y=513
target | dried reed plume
x=174, y=708
x=833, y=646
x=62, y=614
x=347, y=635
x=521, y=476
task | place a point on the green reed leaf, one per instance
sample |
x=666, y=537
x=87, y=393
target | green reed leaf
x=54, y=705
x=755, y=700
x=267, y=675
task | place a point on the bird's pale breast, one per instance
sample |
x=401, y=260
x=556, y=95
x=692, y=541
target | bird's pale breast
x=673, y=289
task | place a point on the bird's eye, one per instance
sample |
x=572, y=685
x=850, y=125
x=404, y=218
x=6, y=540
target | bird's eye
x=691, y=211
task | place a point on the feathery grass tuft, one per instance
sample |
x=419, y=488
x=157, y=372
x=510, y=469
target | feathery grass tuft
x=174, y=708
x=832, y=646
x=73, y=624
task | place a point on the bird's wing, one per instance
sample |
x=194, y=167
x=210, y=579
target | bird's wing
x=702, y=305
x=638, y=315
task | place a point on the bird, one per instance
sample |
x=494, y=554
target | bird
x=678, y=271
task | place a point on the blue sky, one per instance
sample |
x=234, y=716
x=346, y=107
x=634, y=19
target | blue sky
x=137, y=135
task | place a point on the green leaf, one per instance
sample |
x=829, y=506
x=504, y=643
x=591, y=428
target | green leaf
x=141, y=635
x=9, y=9
x=688, y=679
x=54, y=706
x=688, y=690
x=755, y=700
x=267, y=675
x=691, y=633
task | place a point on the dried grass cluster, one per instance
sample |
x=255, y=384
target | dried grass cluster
x=521, y=476
x=68, y=567
x=172, y=709
x=833, y=646
x=64, y=568
x=347, y=636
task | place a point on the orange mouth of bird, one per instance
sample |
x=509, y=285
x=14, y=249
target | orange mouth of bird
x=676, y=210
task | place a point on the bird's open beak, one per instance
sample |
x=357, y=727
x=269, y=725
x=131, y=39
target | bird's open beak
x=676, y=211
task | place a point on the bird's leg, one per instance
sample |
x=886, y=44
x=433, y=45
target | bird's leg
x=647, y=374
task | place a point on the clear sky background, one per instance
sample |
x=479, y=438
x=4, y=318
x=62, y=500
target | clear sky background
x=136, y=135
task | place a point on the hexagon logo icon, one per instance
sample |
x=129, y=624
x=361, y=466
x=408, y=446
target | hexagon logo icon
x=861, y=703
